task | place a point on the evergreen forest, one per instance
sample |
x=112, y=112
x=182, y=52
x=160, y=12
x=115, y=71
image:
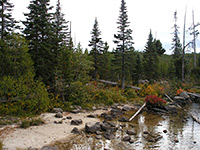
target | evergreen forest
x=42, y=69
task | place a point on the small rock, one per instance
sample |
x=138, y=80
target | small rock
x=103, y=115
x=130, y=132
x=176, y=141
x=59, y=115
x=75, y=131
x=99, y=132
x=122, y=125
x=108, y=135
x=94, y=108
x=146, y=132
x=92, y=116
x=123, y=119
x=98, y=137
x=30, y=148
x=69, y=118
x=125, y=108
x=108, y=118
x=49, y=148
x=76, y=122
x=131, y=141
x=57, y=110
x=194, y=142
x=76, y=111
x=126, y=138
x=165, y=131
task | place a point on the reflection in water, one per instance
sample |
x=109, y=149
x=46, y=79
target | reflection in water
x=179, y=132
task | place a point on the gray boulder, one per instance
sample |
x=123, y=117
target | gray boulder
x=59, y=115
x=92, y=127
x=75, y=131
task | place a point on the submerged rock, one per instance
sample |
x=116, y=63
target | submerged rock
x=130, y=132
x=126, y=138
x=123, y=119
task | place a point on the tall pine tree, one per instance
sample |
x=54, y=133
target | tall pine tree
x=39, y=32
x=150, y=59
x=7, y=23
x=123, y=39
x=97, y=46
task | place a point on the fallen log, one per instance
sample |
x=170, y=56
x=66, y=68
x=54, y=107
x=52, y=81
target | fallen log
x=138, y=112
x=172, y=100
x=195, y=118
x=134, y=87
x=108, y=82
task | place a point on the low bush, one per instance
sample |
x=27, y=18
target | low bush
x=154, y=100
x=23, y=96
x=151, y=89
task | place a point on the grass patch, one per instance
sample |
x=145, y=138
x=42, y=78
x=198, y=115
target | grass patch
x=8, y=120
x=31, y=122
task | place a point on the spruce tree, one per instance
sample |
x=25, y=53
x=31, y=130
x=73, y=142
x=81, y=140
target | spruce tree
x=62, y=35
x=159, y=49
x=150, y=59
x=39, y=32
x=123, y=39
x=97, y=44
x=7, y=23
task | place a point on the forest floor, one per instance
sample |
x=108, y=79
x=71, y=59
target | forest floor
x=14, y=137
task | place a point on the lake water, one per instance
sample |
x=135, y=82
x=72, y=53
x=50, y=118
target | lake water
x=178, y=131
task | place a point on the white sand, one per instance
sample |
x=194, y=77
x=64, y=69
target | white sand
x=39, y=136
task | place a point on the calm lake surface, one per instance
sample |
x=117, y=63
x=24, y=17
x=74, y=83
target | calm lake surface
x=179, y=132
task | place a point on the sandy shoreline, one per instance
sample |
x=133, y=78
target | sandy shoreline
x=39, y=136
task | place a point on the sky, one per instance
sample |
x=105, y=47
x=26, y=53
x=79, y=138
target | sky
x=157, y=15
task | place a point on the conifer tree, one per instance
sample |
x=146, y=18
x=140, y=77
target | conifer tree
x=39, y=32
x=62, y=35
x=7, y=23
x=97, y=44
x=123, y=39
x=159, y=49
x=150, y=59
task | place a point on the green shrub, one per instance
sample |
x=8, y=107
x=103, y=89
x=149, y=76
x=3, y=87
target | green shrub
x=130, y=94
x=24, y=96
x=78, y=93
x=108, y=96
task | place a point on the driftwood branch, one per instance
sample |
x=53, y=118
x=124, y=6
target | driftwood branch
x=195, y=118
x=168, y=97
x=138, y=112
